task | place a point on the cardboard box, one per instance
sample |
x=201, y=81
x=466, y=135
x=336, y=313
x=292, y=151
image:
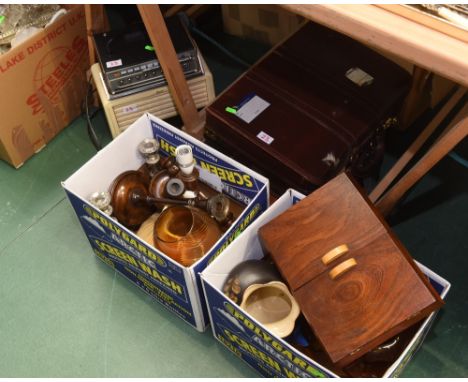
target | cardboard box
x=43, y=82
x=176, y=287
x=248, y=339
x=265, y=23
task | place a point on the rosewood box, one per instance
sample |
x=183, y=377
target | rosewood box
x=356, y=284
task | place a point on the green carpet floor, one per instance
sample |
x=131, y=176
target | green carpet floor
x=63, y=313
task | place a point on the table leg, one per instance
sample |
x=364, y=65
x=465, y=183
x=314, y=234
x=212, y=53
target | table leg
x=415, y=146
x=451, y=137
x=96, y=22
x=416, y=97
x=159, y=36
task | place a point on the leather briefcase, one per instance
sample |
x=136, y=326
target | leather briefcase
x=312, y=107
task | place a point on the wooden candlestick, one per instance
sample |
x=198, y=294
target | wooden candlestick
x=129, y=209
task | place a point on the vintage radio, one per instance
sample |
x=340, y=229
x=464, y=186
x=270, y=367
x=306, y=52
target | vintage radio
x=128, y=60
x=355, y=283
x=315, y=105
x=123, y=111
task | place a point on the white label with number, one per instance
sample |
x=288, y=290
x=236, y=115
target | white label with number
x=265, y=137
x=113, y=64
x=129, y=109
x=252, y=108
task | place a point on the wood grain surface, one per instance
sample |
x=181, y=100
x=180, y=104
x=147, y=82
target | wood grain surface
x=127, y=211
x=381, y=29
x=375, y=299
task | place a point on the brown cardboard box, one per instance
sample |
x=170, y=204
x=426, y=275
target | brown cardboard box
x=43, y=83
x=265, y=23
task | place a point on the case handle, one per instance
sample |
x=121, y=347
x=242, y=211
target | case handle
x=334, y=254
x=342, y=268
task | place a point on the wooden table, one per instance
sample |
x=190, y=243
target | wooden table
x=423, y=46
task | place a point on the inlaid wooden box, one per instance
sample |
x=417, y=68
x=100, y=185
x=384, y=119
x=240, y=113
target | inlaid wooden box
x=356, y=284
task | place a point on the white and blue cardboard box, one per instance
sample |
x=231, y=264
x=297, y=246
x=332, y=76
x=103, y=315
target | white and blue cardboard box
x=269, y=355
x=177, y=287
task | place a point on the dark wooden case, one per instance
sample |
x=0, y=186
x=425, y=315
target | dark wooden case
x=383, y=294
x=315, y=110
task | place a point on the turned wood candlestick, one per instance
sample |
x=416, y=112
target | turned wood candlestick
x=217, y=206
x=163, y=184
x=133, y=203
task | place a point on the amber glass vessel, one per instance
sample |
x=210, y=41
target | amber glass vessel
x=185, y=233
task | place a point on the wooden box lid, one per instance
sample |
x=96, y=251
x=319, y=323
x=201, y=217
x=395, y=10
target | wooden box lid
x=382, y=293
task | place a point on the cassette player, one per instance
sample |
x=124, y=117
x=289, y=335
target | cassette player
x=128, y=59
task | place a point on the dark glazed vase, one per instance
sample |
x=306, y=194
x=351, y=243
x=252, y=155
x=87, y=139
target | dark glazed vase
x=248, y=273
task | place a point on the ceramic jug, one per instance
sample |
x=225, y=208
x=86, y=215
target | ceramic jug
x=273, y=306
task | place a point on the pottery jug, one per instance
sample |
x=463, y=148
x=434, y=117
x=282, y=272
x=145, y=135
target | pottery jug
x=273, y=306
